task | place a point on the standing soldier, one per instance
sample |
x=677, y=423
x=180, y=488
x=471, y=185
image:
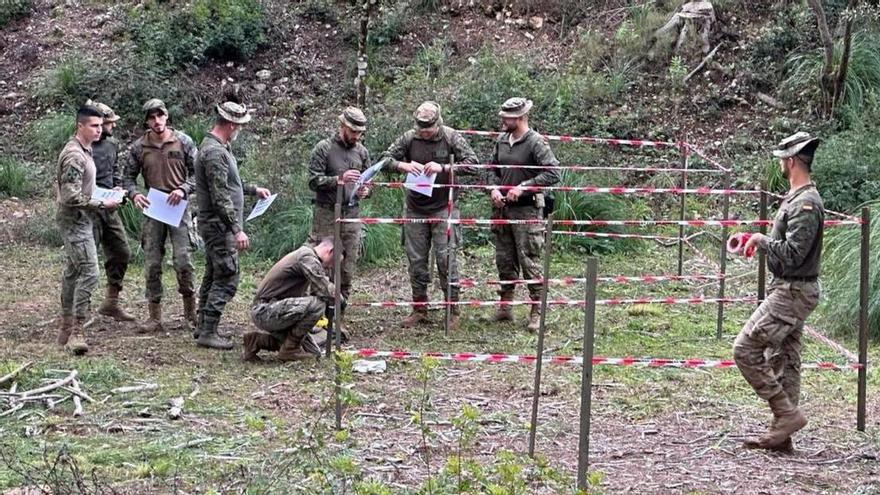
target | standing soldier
x=518, y=247
x=290, y=300
x=109, y=230
x=340, y=158
x=165, y=157
x=74, y=185
x=427, y=149
x=220, y=196
x=768, y=349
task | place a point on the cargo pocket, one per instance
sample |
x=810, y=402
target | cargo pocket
x=535, y=241
x=225, y=262
x=773, y=328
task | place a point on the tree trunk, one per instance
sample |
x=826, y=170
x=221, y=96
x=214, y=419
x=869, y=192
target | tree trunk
x=826, y=79
x=360, y=80
x=840, y=80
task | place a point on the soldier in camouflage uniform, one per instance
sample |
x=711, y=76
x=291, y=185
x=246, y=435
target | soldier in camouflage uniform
x=74, y=185
x=290, y=300
x=340, y=158
x=165, y=157
x=768, y=349
x=220, y=195
x=109, y=230
x=428, y=149
x=518, y=247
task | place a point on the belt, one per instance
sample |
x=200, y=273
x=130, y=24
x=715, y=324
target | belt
x=799, y=279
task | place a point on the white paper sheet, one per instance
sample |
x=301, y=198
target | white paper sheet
x=161, y=211
x=365, y=178
x=422, y=184
x=101, y=194
x=261, y=207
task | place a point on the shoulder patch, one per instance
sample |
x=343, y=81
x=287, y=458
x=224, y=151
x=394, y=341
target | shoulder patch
x=807, y=206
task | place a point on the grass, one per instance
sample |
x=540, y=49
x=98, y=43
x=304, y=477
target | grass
x=14, y=178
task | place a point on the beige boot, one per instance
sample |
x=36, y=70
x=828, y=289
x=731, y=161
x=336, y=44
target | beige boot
x=255, y=342
x=534, y=315
x=68, y=325
x=291, y=350
x=504, y=311
x=454, y=319
x=110, y=306
x=154, y=322
x=419, y=314
x=787, y=419
x=189, y=311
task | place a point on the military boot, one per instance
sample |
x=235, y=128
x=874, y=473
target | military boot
x=419, y=313
x=534, y=315
x=189, y=311
x=787, y=419
x=110, y=306
x=208, y=336
x=454, y=319
x=504, y=311
x=68, y=325
x=255, y=342
x=291, y=350
x=154, y=322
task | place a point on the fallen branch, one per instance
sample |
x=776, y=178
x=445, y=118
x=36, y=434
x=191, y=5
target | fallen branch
x=15, y=372
x=702, y=65
x=176, y=410
x=76, y=390
x=13, y=410
x=135, y=388
x=769, y=100
x=77, y=401
x=52, y=386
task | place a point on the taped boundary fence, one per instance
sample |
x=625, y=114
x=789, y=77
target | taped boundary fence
x=647, y=362
x=589, y=302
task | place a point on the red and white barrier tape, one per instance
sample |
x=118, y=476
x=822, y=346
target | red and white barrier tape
x=619, y=279
x=612, y=235
x=638, y=143
x=557, y=302
x=705, y=191
x=700, y=153
x=622, y=223
x=579, y=361
x=588, y=168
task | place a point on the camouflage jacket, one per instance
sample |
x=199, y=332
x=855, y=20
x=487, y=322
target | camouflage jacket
x=108, y=173
x=448, y=143
x=219, y=190
x=530, y=149
x=75, y=178
x=298, y=274
x=794, y=248
x=330, y=159
x=165, y=166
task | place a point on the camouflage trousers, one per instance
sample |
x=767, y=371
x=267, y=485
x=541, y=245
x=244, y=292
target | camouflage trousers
x=293, y=317
x=768, y=349
x=222, y=274
x=110, y=234
x=322, y=226
x=518, y=248
x=153, y=237
x=80, y=275
x=419, y=239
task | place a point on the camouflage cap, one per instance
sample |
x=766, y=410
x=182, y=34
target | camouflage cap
x=794, y=144
x=153, y=105
x=354, y=119
x=233, y=112
x=109, y=114
x=515, y=107
x=428, y=116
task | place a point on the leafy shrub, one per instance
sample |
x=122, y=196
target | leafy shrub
x=11, y=10
x=48, y=134
x=219, y=29
x=840, y=279
x=14, y=178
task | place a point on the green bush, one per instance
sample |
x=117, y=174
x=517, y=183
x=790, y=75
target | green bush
x=15, y=178
x=11, y=10
x=863, y=76
x=840, y=279
x=391, y=24
x=847, y=165
x=218, y=29
x=48, y=134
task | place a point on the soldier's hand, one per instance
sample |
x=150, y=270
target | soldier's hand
x=433, y=168
x=141, y=201
x=497, y=199
x=351, y=175
x=241, y=241
x=514, y=194
x=411, y=168
x=175, y=197
x=263, y=193
x=111, y=204
x=364, y=191
x=752, y=244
